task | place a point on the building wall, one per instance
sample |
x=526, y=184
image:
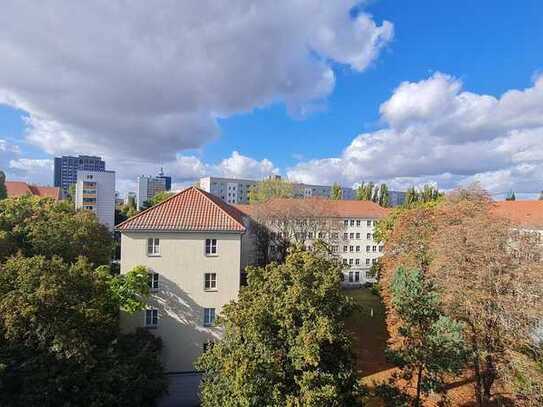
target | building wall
x=148, y=187
x=104, y=195
x=66, y=167
x=180, y=298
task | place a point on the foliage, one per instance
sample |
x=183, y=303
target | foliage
x=60, y=342
x=392, y=396
x=364, y=192
x=511, y=196
x=270, y=188
x=428, y=193
x=3, y=190
x=336, y=192
x=371, y=192
x=284, y=342
x=160, y=197
x=41, y=226
x=432, y=344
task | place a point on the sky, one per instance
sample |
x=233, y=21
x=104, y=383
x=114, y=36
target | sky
x=408, y=93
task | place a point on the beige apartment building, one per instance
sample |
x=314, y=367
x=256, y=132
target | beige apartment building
x=196, y=246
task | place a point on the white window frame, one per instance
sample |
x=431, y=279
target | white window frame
x=212, y=281
x=153, y=247
x=150, y=318
x=213, y=247
x=209, y=316
x=153, y=281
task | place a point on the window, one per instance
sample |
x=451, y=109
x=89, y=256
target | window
x=334, y=249
x=358, y=235
x=368, y=248
x=358, y=222
x=350, y=262
x=358, y=248
x=321, y=235
x=356, y=276
x=207, y=345
x=374, y=223
x=210, y=281
x=211, y=247
x=345, y=223
x=345, y=248
x=209, y=316
x=310, y=235
x=357, y=262
x=351, y=235
x=351, y=276
x=351, y=249
x=381, y=248
x=153, y=281
x=345, y=261
x=374, y=248
x=374, y=261
x=335, y=235
x=345, y=236
x=151, y=318
x=367, y=262
x=153, y=246
x=368, y=223
x=352, y=222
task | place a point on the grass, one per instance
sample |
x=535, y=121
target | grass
x=367, y=326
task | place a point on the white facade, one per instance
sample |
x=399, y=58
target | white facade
x=148, y=187
x=95, y=191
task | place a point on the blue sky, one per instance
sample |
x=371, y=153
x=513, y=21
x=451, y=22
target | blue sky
x=486, y=48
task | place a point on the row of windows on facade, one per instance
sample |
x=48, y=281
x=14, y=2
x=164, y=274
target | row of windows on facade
x=356, y=262
x=353, y=249
x=358, y=222
x=153, y=246
x=151, y=317
x=321, y=235
x=210, y=282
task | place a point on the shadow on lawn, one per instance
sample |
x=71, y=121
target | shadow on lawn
x=369, y=332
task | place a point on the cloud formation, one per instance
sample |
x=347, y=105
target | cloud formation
x=434, y=131
x=145, y=82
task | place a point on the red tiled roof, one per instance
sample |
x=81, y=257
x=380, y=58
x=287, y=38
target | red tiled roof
x=190, y=210
x=18, y=188
x=521, y=213
x=318, y=207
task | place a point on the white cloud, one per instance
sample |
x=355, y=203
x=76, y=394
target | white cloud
x=434, y=131
x=137, y=81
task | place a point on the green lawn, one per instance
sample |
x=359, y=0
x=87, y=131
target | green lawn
x=369, y=332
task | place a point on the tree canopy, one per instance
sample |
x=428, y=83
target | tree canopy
x=284, y=342
x=60, y=341
x=3, y=190
x=336, y=192
x=36, y=226
x=271, y=188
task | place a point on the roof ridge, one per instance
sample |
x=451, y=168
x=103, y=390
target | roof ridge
x=219, y=205
x=153, y=207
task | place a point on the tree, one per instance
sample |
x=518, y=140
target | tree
x=511, y=196
x=271, y=188
x=284, y=341
x=60, y=341
x=41, y=226
x=384, y=196
x=490, y=278
x=159, y=197
x=364, y=191
x=3, y=190
x=336, y=193
x=432, y=344
x=540, y=196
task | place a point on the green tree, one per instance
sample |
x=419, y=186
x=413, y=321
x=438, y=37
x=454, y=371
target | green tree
x=432, y=344
x=284, y=342
x=540, y=196
x=411, y=196
x=161, y=196
x=511, y=196
x=270, y=188
x=336, y=193
x=3, y=190
x=384, y=196
x=41, y=226
x=60, y=342
x=364, y=192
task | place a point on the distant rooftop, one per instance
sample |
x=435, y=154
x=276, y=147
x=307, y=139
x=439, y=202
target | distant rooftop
x=19, y=188
x=521, y=213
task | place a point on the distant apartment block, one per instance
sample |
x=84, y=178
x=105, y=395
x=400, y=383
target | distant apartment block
x=236, y=191
x=148, y=187
x=95, y=191
x=66, y=168
x=167, y=179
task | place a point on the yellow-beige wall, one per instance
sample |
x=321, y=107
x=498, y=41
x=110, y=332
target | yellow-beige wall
x=180, y=298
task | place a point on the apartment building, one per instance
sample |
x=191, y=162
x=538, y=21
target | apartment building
x=66, y=167
x=230, y=190
x=148, y=187
x=347, y=226
x=192, y=245
x=95, y=191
